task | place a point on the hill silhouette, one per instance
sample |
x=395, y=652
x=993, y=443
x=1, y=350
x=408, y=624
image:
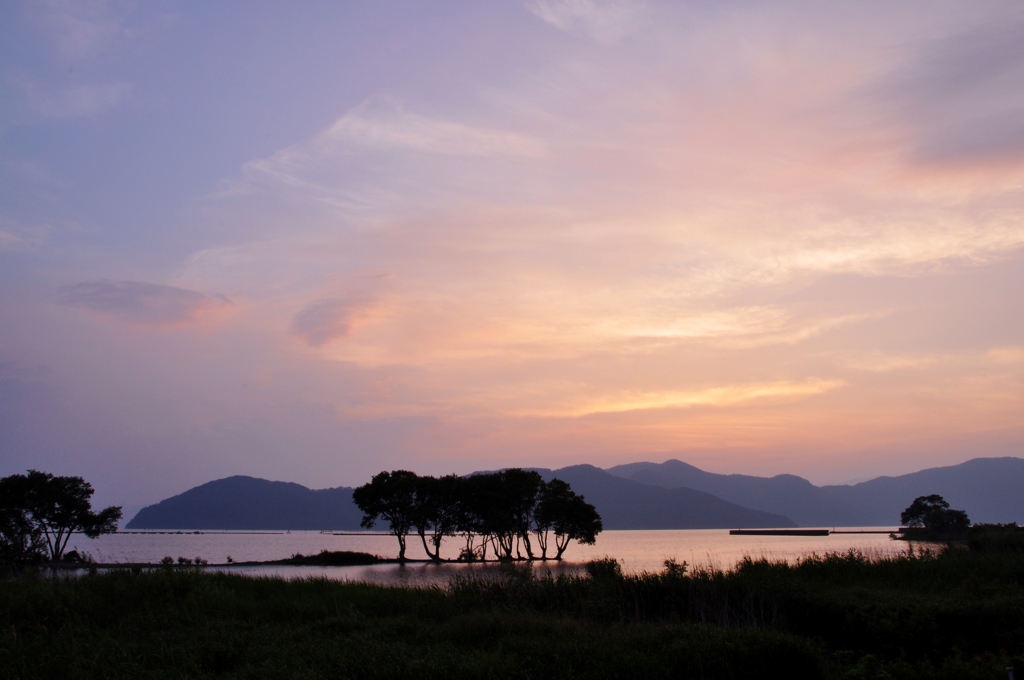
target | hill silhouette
x=626, y=504
x=669, y=495
x=987, y=488
x=248, y=503
x=788, y=495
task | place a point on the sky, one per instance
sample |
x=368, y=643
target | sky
x=312, y=241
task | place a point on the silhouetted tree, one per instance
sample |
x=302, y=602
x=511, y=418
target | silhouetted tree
x=438, y=511
x=487, y=511
x=502, y=509
x=562, y=510
x=546, y=511
x=21, y=539
x=39, y=512
x=933, y=513
x=390, y=496
x=522, y=488
x=472, y=515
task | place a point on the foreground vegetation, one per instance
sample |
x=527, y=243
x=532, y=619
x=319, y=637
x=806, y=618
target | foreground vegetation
x=955, y=615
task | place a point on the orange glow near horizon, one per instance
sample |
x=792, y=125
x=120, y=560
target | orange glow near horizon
x=760, y=238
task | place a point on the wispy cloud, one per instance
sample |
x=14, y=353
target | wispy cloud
x=962, y=98
x=638, y=226
x=330, y=319
x=77, y=100
x=726, y=395
x=81, y=28
x=9, y=241
x=603, y=20
x=32, y=99
x=138, y=302
x=880, y=363
x=17, y=236
x=383, y=124
x=1007, y=355
x=349, y=164
x=60, y=79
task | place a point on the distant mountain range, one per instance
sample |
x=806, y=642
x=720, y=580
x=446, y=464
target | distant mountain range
x=669, y=495
x=989, y=489
x=626, y=504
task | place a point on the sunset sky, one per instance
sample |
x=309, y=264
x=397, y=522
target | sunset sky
x=311, y=241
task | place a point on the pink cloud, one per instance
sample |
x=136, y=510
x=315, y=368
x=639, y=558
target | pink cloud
x=325, y=320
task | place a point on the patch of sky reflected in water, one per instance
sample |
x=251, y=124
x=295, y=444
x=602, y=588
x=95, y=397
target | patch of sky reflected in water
x=635, y=550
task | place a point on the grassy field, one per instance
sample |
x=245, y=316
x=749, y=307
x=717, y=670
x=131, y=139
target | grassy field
x=955, y=615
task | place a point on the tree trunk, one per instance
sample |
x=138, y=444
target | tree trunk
x=561, y=545
x=498, y=543
x=542, y=542
x=423, y=537
x=529, y=548
x=401, y=547
x=436, y=540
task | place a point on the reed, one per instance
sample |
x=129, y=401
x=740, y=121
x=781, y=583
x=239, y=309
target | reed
x=958, y=613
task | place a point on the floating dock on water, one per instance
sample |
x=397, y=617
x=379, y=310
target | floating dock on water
x=808, y=532
x=778, y=532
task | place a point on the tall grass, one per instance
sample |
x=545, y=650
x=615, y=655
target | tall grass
x=959, y=614
x=179, y=623
x=916, y=613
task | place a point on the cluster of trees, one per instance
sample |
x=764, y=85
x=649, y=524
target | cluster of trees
x=39, y=512
x=934, y=514
x=512, y=512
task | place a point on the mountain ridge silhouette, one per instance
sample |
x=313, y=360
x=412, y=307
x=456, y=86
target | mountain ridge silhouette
x=644, y=495
x=987, y=488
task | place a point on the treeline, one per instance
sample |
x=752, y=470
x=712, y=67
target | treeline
x=513, y=513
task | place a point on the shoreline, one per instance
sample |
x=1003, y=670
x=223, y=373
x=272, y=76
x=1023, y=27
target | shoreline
x=325, y=559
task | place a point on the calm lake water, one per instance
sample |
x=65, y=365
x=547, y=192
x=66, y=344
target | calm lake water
x=636, y=550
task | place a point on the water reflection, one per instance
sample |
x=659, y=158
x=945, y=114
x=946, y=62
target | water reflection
x=414, y=574
x=636, y=550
